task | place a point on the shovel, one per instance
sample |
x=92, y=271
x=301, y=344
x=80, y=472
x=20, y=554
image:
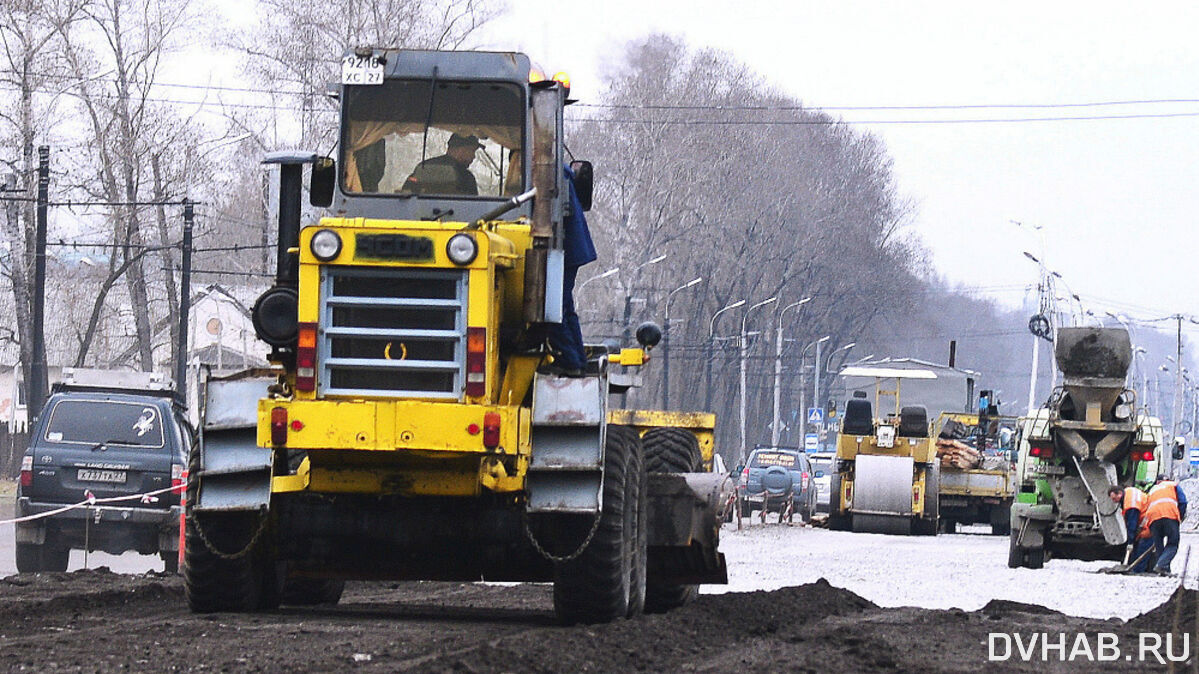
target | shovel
x=1126, y=567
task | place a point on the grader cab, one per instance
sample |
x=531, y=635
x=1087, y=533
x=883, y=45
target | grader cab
x=412, y=427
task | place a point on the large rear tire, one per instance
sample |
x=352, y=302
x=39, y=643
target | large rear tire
x=670, y=450
x=607, y=580
x=229, y=578
x=312, y=591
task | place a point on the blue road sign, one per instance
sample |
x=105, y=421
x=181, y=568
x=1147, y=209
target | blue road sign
x=1195, y=457
x=811, y=441
x=815, y=415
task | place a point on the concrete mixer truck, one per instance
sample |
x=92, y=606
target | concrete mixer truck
x=1087, y=438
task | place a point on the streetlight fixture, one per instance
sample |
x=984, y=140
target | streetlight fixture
x=666, y=340
x=711, y=355
x=803, y=355
x=776, y=425
x=829, y=362
x=744, y=355
x=816, y=371
x=610, y=272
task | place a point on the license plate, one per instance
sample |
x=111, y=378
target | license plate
x=362, y=70
x=91, y=475
x=1049, y=470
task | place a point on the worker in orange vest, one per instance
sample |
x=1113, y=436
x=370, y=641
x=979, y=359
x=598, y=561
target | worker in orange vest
x=1132, y=503
x=1167, y=505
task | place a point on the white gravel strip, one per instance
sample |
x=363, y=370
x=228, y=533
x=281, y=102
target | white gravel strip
x=964, y=570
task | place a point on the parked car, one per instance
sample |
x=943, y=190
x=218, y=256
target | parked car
x=770, y=475
x=823, y=465
x=102, y=442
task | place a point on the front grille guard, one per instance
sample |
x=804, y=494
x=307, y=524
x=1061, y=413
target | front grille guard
x=387, y=369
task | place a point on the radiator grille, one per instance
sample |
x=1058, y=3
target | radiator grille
x=392, y=332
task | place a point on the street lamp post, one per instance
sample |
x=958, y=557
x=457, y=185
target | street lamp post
x=626, y=333
x=744, y=355
x=803, y=355
x=711, y=355
x=666, y=341
x=775, y=427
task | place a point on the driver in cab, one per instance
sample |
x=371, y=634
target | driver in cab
x=449, y=173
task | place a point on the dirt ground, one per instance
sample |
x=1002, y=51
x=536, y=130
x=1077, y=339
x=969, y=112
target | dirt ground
x=100, y=621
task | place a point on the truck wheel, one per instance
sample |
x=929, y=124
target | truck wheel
x=213, y=582
x=312, y=591
x=1015, y=554
x=948, y=526
x=671, y=450
x=1001, y=523
x=170, y=561
x=1034, y=558
x=46, y=557
x=607, y=580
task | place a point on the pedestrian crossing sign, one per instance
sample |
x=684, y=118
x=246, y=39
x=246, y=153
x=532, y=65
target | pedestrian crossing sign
x=815, y=415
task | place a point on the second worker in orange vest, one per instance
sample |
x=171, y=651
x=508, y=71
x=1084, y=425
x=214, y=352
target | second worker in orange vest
x=1166, y=506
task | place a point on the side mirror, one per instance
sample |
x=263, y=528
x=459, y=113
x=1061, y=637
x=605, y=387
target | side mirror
x=322, y=182
x=584, y=178
x=1179, y=452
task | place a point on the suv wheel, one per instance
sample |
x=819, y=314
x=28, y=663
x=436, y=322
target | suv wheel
x=45, y=557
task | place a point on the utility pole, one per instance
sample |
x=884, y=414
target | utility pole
x=816, y=379
x=776, y=420
x=184, y=303
x=711, y=352
x=1175, y=410
x=744, y=344
x=666, y=342
x=38, y=388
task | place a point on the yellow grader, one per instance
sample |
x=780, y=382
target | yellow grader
x=412, y=426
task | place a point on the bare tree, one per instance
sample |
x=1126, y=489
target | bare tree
x=127, y=132
x=776, y=200
x=296, y=47
x=30, y=34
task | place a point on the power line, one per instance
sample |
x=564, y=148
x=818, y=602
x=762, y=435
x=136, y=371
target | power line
x=816, y=108
x=858, y=122
x=668, y=106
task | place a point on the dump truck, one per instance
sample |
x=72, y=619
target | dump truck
x=886, y=471
x=977, y=480
x=1087, y=438
x=414, y=425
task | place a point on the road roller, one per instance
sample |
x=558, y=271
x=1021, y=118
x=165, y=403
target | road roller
x=886, y=471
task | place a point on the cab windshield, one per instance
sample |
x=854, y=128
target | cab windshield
x=459, y=139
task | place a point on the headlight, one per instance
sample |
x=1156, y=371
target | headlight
x=461, y=249
x=325, y=245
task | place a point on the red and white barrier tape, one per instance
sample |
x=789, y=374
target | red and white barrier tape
x=91, y=500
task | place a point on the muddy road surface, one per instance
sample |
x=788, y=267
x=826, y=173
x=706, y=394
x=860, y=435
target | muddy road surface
x=95, y=620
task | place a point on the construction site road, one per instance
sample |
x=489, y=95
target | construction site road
x=885, y=606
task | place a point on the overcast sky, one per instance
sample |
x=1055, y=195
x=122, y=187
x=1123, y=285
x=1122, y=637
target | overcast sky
x=1116, y=198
